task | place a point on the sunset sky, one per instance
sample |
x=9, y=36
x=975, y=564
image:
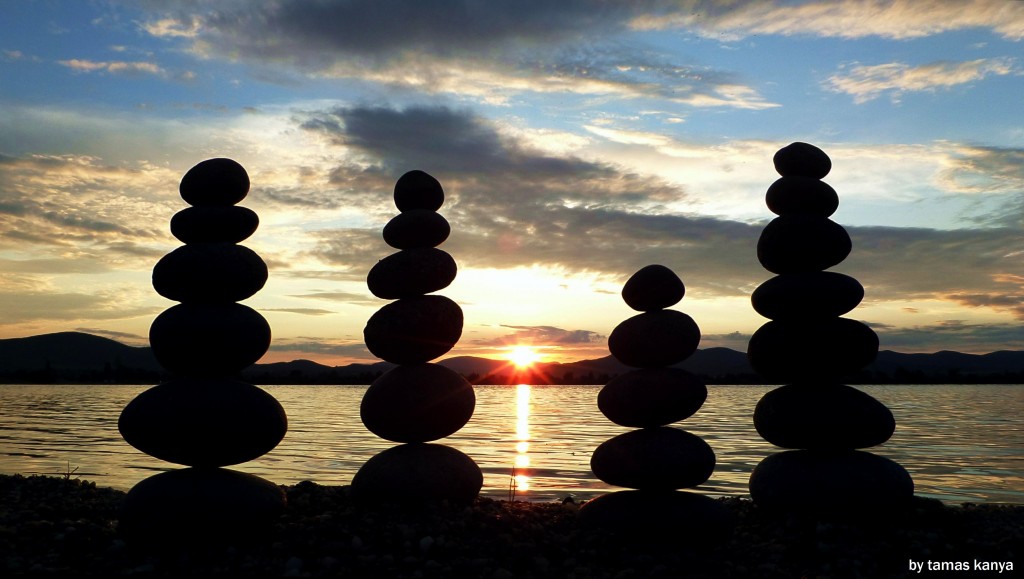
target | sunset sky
x=577, y=141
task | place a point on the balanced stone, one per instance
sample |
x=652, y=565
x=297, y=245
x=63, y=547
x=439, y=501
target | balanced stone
x=800, y=243
x=654, y=339
x=411, y=272
x=802, y=159
x=822, y=416
x=416, y=228
x=414, y=330
x=418, y=473
x=800, y=350
x=653, y=287
x=216, y=224
x=651, y=397
x=818, y=294
x=208, y=340
x=418, y=190
x=661, y=458
x=210, y=273
x=805, y=195
x=673, y=515
x=417, y=403
x=204, y=422
x=214, y=182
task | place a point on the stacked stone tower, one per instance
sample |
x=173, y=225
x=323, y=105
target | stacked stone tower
x=417, y=402
x=655, y=459
x=809, y=347
x=203, y=417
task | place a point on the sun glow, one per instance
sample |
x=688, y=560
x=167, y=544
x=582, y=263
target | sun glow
x=523, y=356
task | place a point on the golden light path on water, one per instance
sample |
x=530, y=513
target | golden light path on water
x=520, y=480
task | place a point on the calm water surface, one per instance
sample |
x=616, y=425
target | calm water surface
x=960, y=443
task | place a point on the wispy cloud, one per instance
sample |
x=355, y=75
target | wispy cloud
x=114, y=66
x=866, y=83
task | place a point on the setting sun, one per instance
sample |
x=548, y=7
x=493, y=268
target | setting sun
x=523, y=356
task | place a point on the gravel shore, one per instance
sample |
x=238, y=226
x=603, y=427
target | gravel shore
x=53, y=525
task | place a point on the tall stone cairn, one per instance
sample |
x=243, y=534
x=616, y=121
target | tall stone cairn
x=655, y=459
x=809, y=347
x=416, y=402
x=203, y=417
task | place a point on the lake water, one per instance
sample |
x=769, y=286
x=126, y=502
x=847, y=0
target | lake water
x=960, y=443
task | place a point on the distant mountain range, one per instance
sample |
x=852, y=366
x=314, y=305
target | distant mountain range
x=75, y=357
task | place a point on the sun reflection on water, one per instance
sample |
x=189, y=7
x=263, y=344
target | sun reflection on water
x=520, y=480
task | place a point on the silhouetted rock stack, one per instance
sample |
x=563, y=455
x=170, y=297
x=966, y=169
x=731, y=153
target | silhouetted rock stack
x=416, y=402
x=809, y=347
x=203, y=417
x=656, y=459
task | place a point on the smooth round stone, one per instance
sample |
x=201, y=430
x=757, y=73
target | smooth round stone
x=817, y=350
x=818, y=294
x=230, y=224
x=414, y=330
x=209, y=340
x=678, y=515
x=416, y=228
x=411, y=272
x=417, y=403
x=662, y=458
x=418, y=190
x=802, y=159
x=204, y=422
x=653, y=287
x=418, y=473
x=830, y=482
x=210, y=273
x=822, y=416
x=651, y=397
x=214, y=182
x=802, y=243
x=806, y=195
x=654, y=339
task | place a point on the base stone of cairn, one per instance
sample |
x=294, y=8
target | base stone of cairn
x=416, y=402
x=656, y=460
x=204, y=418
x=809, y=347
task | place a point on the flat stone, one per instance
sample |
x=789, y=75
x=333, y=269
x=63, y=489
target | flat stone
x=805, y=195
x=662, y=458
x=204, y=422
x=643, y=515
x=817, y=294
x=418, y=190
x=210, y=273
x=230, y=224
x=802, y=243
x=802, y=159
x=822, y=416
x=417, y=403
x=208, y=340
x=654, y=339
x=416, y=228
x=214, y=182
x=817, y=350
x=414, y=330
x=651, y=397
x=411, y=272
x=418, y=473
x=653, y=287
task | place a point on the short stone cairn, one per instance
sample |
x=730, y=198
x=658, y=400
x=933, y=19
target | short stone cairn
x=203, y=417
x=808, y=346
x=416, y=402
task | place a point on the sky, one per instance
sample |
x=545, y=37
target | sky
x=577, y=141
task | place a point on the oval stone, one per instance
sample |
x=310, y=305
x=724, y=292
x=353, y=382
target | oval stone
x=414, y=330
x=801, y=243
x=806, y=195
x=817, y=350
x=818, y=294
x=651, y=397
x=643, y=515
x=230, y=224
x=802, y=159
x=662, y=458
x=204, y=422
x=654, y=339
x=653, y=287
x=418, y=473
x=210, y=273
x=208, y=340
x=214, y=182
x=417, y=403
x=418, y=190
x=416, y=228
x=411, y=272
x=822, y=416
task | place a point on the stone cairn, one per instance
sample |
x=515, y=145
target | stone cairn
x=656, y=459
x=416, y=402
x=809, y=347
x=204, y=418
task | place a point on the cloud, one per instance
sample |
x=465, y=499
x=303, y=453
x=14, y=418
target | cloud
x=954, y=335
x=33, y=306
x=323, y=347
x=113, y=67
x=549, y=336
x=866, y=83
x=300, y=311
x=123, y=337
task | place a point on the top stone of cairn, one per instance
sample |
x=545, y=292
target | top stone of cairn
x=214, y=182
x=653, y=287
x=418, y=190
x=803, y=160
